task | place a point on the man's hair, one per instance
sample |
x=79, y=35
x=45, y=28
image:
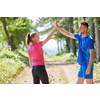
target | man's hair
x=85, y=23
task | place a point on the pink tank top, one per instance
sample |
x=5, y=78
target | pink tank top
x=36, y=51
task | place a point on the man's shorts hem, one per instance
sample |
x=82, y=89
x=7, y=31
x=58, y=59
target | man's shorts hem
x=85, y=77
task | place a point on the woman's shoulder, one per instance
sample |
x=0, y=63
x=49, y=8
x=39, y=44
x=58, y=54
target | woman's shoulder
x=40, y=42
x=30, y=44
x=35, y=44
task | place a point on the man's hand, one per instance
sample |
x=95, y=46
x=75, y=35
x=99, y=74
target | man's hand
x=88, y=70
x=66, y=33
x=56, y=24
x=55, y=27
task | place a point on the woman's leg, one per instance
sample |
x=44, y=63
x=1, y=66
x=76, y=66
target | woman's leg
x=36, y=79
x=41, y=72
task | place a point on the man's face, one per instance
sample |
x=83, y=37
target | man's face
x=82, y=29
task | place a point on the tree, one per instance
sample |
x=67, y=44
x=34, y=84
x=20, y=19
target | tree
x=92, y=28
x=9, y=38
x=84, y=18
x=97, y=37
x=15, y=29
x=73, y=46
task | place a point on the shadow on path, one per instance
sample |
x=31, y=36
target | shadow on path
x=57, y=63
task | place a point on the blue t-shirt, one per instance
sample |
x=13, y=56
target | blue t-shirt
x=84, y=45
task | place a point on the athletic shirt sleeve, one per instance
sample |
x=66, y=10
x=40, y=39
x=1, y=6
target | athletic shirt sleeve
x=40, y=43
x=91, y=44
x=77, y=36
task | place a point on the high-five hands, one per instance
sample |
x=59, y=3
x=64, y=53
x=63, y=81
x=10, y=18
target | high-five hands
x=56, y=24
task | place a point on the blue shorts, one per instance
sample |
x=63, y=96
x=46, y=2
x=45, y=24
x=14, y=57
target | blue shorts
x=82, y=72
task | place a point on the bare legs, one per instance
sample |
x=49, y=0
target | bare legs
x=81, y=80
x=89, y=81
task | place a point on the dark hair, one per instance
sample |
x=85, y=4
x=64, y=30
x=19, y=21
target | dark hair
x=85, y=23
x=29, y=37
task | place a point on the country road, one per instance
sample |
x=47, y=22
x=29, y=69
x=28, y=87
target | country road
x=58, y=73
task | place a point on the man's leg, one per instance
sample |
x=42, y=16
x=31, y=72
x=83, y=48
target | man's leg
x=80, y=80
x=89, y=78
x=80, y=76
x=89, y=81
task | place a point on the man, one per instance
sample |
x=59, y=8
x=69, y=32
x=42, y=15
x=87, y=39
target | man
x=85, y=52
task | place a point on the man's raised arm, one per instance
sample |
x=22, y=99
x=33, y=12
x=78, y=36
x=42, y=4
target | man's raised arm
x=66, y=33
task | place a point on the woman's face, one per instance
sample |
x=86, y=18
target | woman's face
x=36, y=38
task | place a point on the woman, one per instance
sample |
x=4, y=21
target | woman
x=36, y=57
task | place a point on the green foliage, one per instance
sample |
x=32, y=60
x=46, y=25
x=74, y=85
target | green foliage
x=98, y=18
x=17, y=28
x=97, y=70
x=96, y=61
x=66, y=57
x=98, y=26
x=6, y=53
x=65, y=79
x=11, y=63
x=2, y=35
x=47, y=22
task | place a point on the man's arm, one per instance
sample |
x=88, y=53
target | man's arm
x=90, y=61
x=66, y=33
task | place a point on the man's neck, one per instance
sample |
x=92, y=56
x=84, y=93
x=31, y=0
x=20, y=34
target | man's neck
x=84, y=34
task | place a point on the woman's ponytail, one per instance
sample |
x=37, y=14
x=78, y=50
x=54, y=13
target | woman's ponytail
x=28, y=39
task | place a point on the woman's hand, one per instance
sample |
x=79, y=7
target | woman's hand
x=56, y=24
x=50, y=35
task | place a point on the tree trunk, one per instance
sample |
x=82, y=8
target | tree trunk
x=84, y=18
x=9, y=38
x=67, y=44
x=58, y=46
x=61, y=45
x=73, y=46
x=92, y=29
x=97, y=39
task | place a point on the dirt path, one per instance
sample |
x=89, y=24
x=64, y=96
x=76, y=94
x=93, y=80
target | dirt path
x=58, y=73
x=55, y=73
x=70, y=70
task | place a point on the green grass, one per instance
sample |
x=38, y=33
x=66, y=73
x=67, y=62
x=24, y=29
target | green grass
x=66, y=57
x=64, y=79
x=97, y=70
x=11, y=63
